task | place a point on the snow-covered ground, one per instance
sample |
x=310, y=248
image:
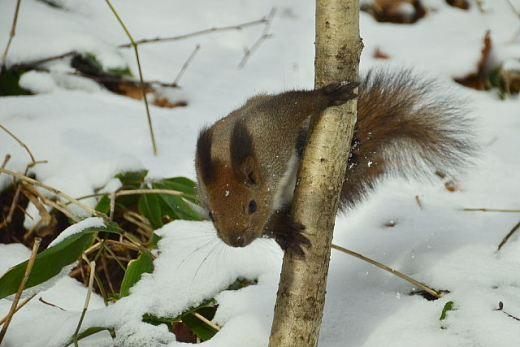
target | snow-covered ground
x=88, y=134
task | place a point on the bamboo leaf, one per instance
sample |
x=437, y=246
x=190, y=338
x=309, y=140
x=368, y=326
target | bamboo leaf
x=136, y=268
x=50, y=262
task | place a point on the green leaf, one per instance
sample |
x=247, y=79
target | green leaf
x=180, y=184
x=132, y=179
x=137, y=267
x=177, y=208
x=50, y=262
x=103, y=205
x=10, y=82
x=449, y=306
x=199, y=328
x=88, y=332
x=150, y=206
x=120, y=72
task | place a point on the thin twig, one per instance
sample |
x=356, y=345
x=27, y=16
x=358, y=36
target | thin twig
x=207, y=321
x=26, y=275
x=265, y=35
x=55, y=191
x=423, y=286
x=197, y=33
x=33, y=160
x=136, y=51
x=490, y=210
x=87, y=301
x=25, y=302
x=12, y=33
x=185, y=66
x=508, y=236
x=501, y=308
x=35, y=63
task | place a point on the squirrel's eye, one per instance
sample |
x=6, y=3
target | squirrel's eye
x=252, y=206
x=211, y=217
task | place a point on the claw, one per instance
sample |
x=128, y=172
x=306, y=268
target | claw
x=340, y=93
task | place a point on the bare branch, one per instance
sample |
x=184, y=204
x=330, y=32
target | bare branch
x=508, y=236
x=265, y=35
x=185, y=66
x=196, y=33
x=490, y=210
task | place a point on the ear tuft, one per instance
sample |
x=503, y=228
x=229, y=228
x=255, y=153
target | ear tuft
x=203, y=159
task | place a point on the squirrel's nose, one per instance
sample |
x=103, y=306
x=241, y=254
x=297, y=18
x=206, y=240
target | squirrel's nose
x=238, y=239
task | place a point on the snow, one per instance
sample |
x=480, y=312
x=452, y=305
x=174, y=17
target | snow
x=88, y=135
x=92, y=222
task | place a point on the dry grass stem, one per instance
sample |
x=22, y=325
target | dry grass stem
x=197, y=33
x=12, y=33
x=508, y=236
x=143, y=89
x=20, y=142
x=54, y=191
x=265, y=35
x=25, y=302
x=87, y=301
x=25, y=278
x=408, y=279
x=207, y=321
x=185, y=66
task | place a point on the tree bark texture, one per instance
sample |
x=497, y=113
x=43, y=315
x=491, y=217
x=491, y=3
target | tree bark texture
x=301, y=292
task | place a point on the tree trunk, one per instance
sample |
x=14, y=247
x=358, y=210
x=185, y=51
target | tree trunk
x=301, y=293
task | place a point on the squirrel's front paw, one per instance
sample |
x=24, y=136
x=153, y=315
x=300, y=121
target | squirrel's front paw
x=293, y=238
x=340, y=93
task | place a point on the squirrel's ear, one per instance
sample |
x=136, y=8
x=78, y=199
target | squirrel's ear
x=203, y=160
x=243, y=158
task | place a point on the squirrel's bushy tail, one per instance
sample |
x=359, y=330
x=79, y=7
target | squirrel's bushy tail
x=406, y=127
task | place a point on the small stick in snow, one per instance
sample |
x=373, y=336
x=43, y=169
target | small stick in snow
x=265, y=35
x=501, y=308
x=490, y=210
x=433, y=292
x=508, y=236
x=185, y=66
x=418, y=202
x=87, y=301
x=11, y=35
x=6, y=160
x=241, y=26
x=26, y=275
x=40, y=299
x=143, y=89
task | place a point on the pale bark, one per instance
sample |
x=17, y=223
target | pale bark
x=301, y=293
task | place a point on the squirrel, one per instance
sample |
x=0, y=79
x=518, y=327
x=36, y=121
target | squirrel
x=247, y=162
